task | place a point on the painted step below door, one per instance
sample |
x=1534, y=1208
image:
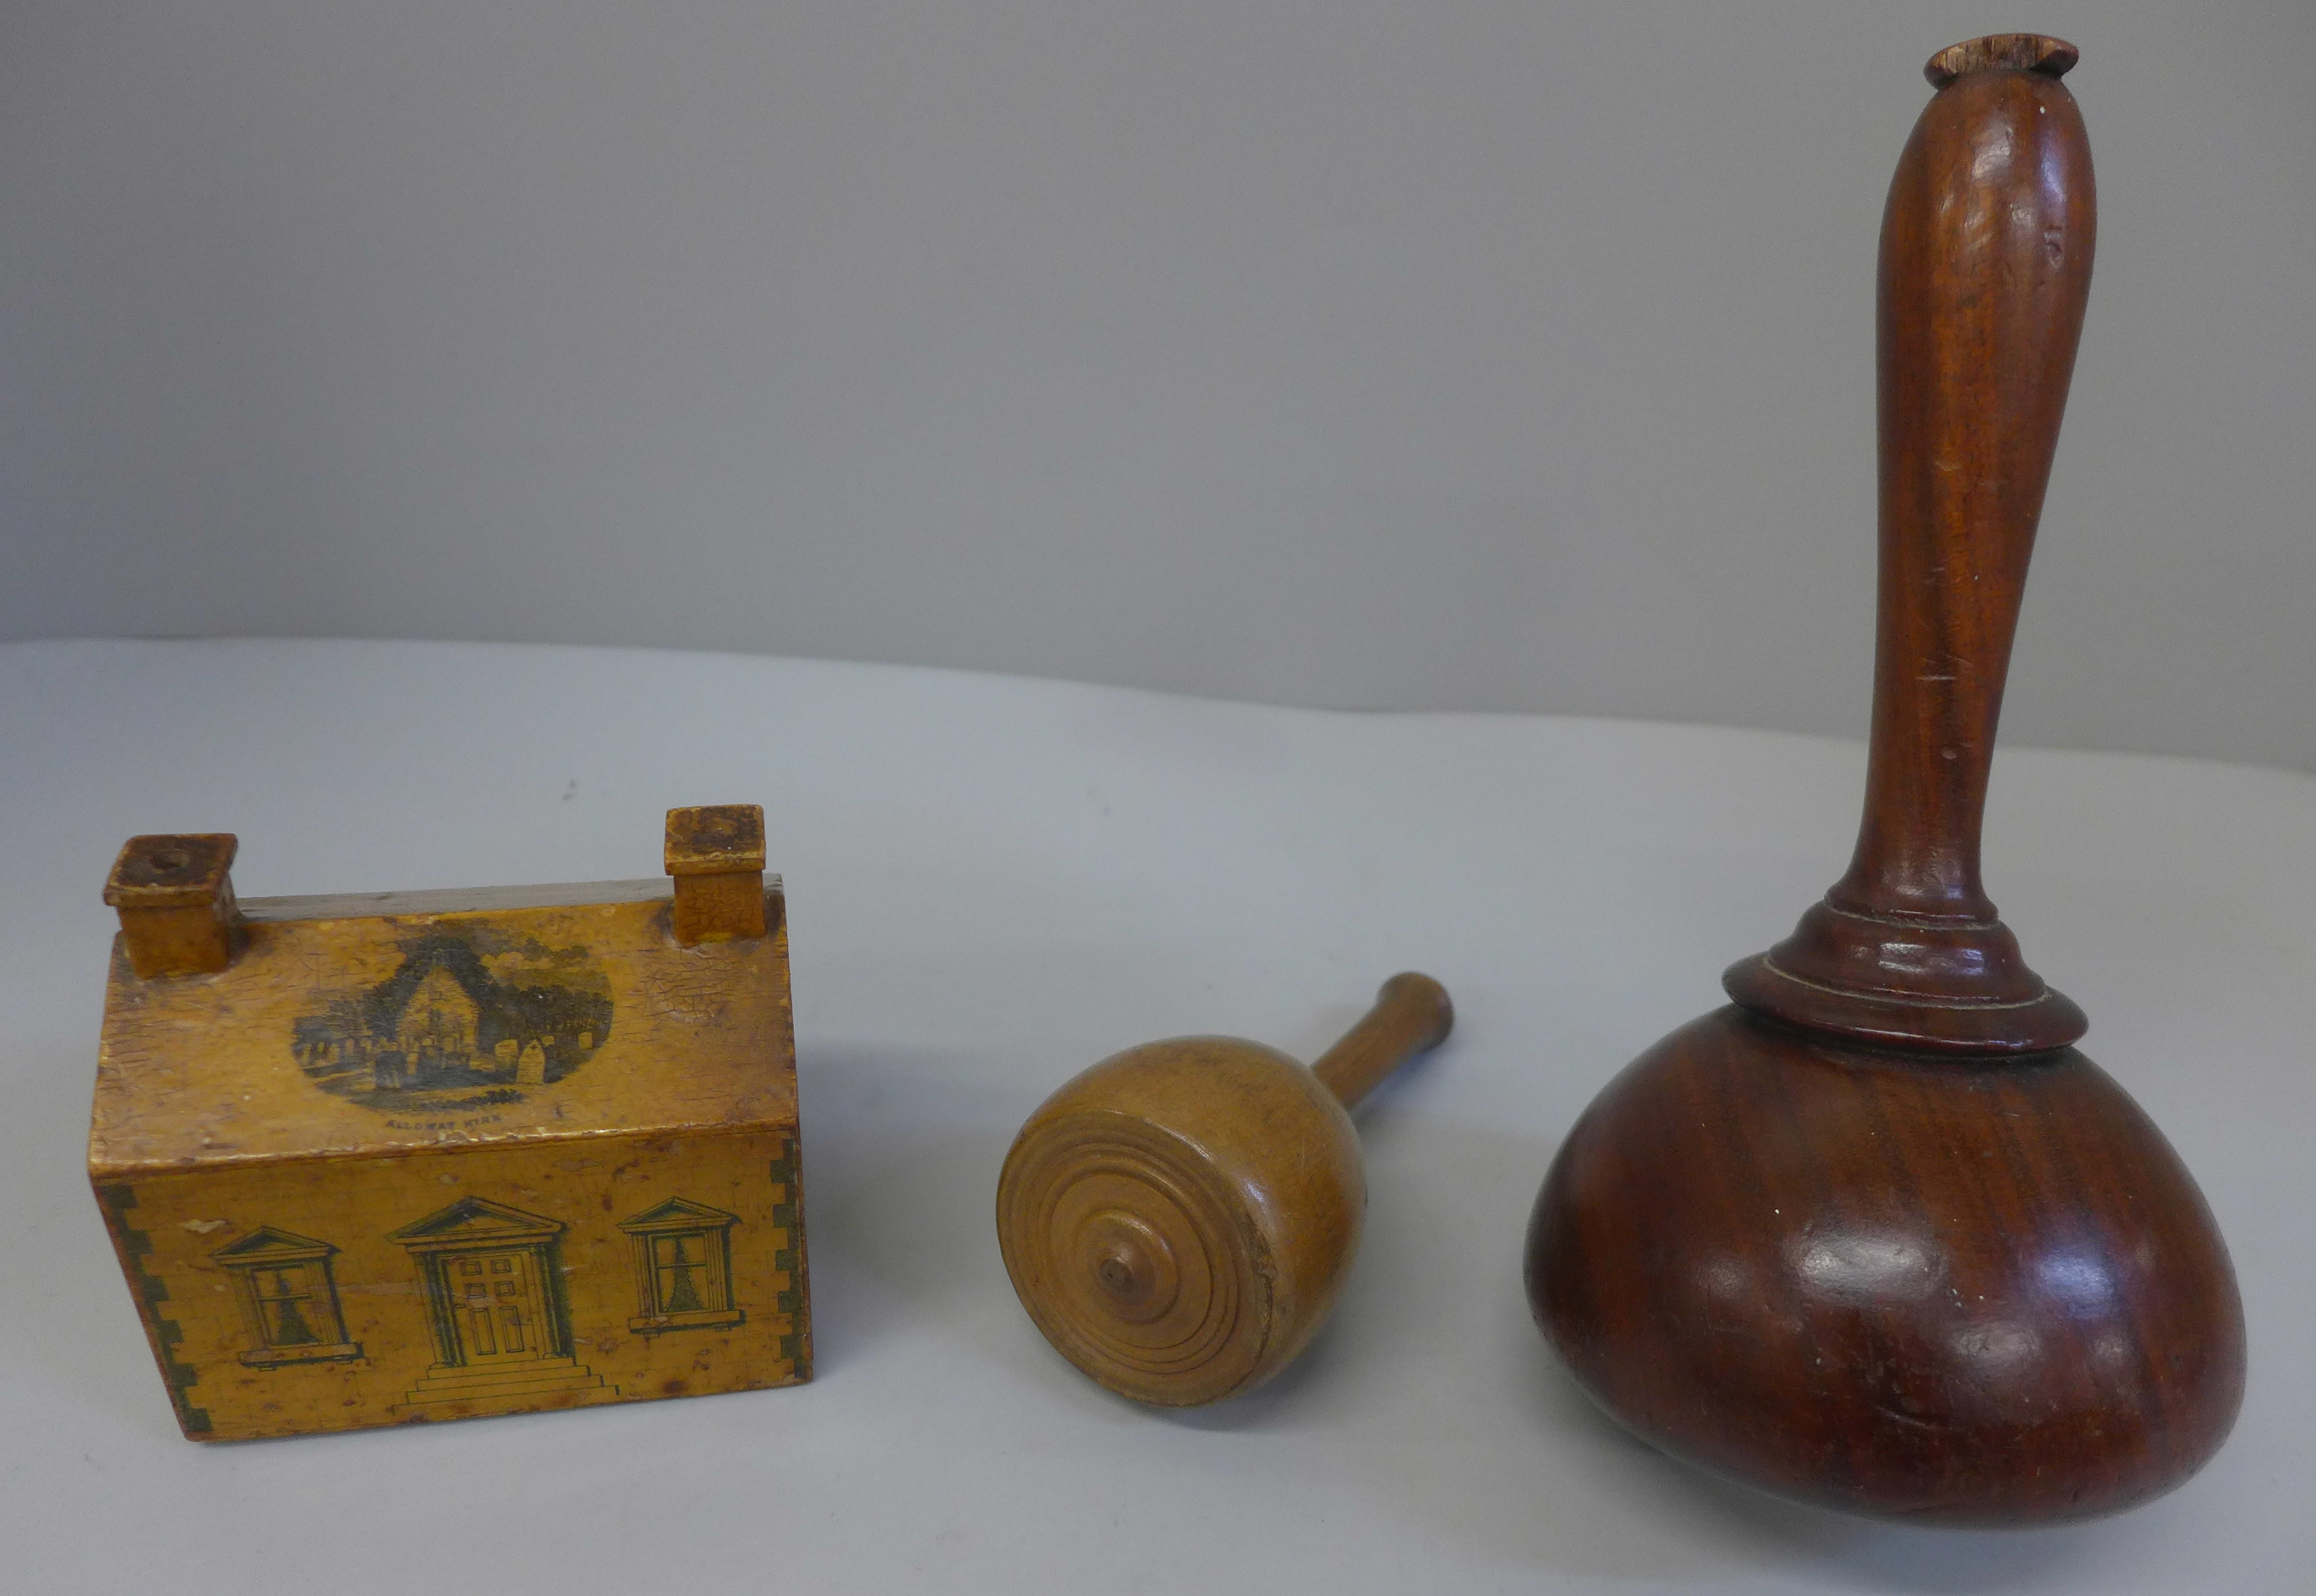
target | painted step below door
x=506, y=1386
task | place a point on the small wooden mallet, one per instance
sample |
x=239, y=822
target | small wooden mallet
x=1179, y=1219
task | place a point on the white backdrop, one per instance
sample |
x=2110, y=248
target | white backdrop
x=990, y=884
x=1363, y=352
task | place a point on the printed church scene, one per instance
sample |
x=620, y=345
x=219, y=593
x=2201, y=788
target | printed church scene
x=468, y=1018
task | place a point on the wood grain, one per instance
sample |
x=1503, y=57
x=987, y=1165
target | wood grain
x=175, y=897
x=412, y=1156
x=716, y=852
x=1879, y=1238
x=1411, y=1014
x=1178, y=1219
x=1986, y=260
x=1965, y=1293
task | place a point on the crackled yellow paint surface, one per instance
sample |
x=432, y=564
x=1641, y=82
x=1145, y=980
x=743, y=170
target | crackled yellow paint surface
x=437, y=1155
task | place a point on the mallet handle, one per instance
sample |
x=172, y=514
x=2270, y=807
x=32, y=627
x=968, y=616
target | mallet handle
x=1986, y=258
x=1411, y=1015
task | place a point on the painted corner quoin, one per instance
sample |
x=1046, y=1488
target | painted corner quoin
x=133, y=1247
x=441, y=1155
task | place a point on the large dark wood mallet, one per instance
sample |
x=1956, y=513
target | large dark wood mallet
x=1878, y=1238
x=1179, y=1219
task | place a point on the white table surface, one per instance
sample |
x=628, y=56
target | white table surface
x=991, y=883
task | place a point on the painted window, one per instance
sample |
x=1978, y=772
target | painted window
x=288, y=1298
x=683, y=1268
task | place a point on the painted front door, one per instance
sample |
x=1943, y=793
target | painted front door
x=496, y=1303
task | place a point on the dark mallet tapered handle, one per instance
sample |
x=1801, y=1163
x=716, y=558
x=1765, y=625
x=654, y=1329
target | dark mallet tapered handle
x=1411, y=1015
x=1986, y=260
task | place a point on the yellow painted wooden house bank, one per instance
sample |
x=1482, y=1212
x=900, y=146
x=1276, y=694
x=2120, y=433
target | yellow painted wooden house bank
x=377, y=1159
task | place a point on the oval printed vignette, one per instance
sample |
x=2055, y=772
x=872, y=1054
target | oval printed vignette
x=468, y=1018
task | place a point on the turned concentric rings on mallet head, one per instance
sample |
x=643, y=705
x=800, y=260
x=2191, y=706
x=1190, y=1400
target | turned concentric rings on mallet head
x=1179, y=1219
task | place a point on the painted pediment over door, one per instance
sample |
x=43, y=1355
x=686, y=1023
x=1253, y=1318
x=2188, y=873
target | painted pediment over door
x=473, y=1221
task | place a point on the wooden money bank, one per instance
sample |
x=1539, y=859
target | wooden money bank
x=400, y=1156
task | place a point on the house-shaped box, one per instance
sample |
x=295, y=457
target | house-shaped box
x=375, y=1159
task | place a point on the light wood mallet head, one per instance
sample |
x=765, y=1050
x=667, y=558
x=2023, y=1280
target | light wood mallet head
x=1179, y=1219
